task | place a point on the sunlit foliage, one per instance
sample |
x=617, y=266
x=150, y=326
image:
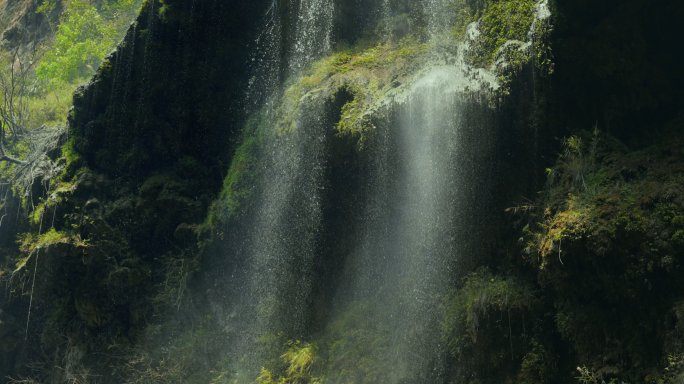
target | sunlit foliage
x=84, y=36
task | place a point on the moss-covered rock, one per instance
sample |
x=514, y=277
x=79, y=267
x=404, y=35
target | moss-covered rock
x=607, y=243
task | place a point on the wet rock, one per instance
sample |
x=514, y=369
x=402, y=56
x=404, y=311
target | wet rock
x=10, y=333
x=90, y=312
x=92, y=205
x=185, y=233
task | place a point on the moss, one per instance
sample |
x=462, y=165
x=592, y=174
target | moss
x=542, y=48
x=611, y=220
x=493, y=320
x=502, y=21
x=299, y=358
x=584, y=203
x=30, y=242
x=367, y=75
x=467, y=307
x=238, y=186
x=465, y=15
x=355, y=346
x=355, y=118
x=537, y=366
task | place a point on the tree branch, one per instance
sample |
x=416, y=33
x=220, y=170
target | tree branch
x=12, y=160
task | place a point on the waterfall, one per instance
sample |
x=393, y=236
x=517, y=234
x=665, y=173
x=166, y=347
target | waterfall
x=275, y=294
x=425, y=168
x=312, y=33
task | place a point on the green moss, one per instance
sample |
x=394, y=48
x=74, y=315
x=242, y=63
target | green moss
x=502, y=21
x=356, y=347
x=481, y=295
x=464, y=16
x=355, y=117
x=542, y=48
x=408, y=48
x=299, y=358
x=537, y=366
x=611, y=220
x=291, y=102
x=30, y=242
x=238, y=186
x=367, y=75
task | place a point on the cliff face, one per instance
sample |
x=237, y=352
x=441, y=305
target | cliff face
x=23, y=26
x=119, y=275
x=146, y=148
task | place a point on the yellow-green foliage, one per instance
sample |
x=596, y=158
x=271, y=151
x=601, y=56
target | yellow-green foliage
x=587, y=376
x=313, y=77
x=50, y=107
x=30, y=242
x=84, y=36
x=537, y=365
x=239, y=183
x=611, y=220
x=596, y=201
x=354, y=117
x=366, y=75
x=571, y=223
x=542, y=48
x=355, y=348
x=68, y=151
x=482, y=293
x=674, y=216
x=502, y=21
x=236, y=184
x=464, y=16
x=299, y=358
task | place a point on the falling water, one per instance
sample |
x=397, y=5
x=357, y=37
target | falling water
x=424, y=199
x=312, y=33
x=437, y=15
x=420, y=204
x=282, y=233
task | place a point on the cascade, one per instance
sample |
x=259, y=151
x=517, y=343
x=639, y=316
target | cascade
x=312, y=33
x=423, y=190
x=282, y=232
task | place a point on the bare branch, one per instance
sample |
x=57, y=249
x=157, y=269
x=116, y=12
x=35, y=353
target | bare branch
x=12, y=160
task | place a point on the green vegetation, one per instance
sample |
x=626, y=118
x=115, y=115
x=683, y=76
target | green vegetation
x=37, y=84
x=365, y=75
x=355, y=346
x=238, y=186
x=369, y=74
x=84, y=36
x=586, y=376
x=502, y=21
x=299, y=359
x=465, y=14
x=613, y=219
x=499, y=22
x=482, y=293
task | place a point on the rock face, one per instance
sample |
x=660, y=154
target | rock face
x=11, y=338
x=158, y=127
x=23, y=27
x=149, y=137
